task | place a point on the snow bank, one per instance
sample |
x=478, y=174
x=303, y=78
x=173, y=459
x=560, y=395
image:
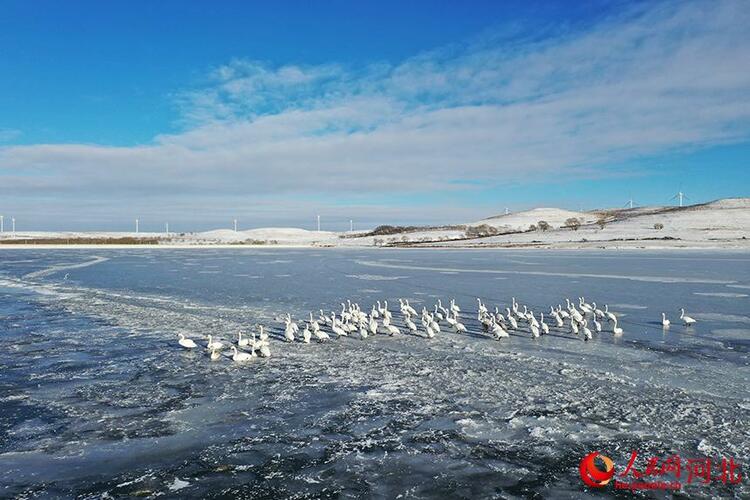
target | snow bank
x=279, y=235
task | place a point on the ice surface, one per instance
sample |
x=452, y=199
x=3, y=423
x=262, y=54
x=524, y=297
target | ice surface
x=97, y=399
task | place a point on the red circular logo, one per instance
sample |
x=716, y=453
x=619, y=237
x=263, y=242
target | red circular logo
x=591, y=474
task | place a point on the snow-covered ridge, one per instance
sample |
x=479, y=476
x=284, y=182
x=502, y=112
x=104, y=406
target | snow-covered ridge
x=555, y=217
x=722, y=223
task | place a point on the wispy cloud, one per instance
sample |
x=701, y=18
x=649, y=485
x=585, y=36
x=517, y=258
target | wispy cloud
x=658, y=78
x=9, y=134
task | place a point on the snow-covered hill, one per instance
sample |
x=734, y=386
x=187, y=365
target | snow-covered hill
x=723, y=223
x=720, y=224
x=521, y=221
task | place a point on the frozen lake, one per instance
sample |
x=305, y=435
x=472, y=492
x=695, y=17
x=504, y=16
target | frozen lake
x=97, y=398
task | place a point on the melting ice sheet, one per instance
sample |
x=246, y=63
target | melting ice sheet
x=97, y=400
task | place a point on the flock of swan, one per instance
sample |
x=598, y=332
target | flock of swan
x=576, y=318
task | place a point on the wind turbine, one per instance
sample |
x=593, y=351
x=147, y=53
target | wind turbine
x=13, y=221
x=235, y=225
x=318, y=223
x=630, y=203
x=136, y=226
x=2, y=228
x=680, y=195
x=351, y=225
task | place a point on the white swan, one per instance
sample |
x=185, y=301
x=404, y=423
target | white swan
x=242, y=342
x=451, y=321
x=335, y=328
x=428, y=330
x=392, y=330
x=575, y=314
x=558, y=320
x=373, y=325
x=409, y=308
x=586, y=331
x=534, y=331
x=459, y=327
x=186, y=343
x=264, y=350
x=314, y=325
x=438, y=315
x=241, y=357
x=434, y=325
x=454, y=308
x=306, y=335
x=214, y=344
x=215, y=354
x=289, y=331
x=512, y=320
x=610, y=316
x=573, y=326
x=443, y=310
x=292, y=324
x=686, y=319
x=664, y=321
x=563, y=314
x=321, y=336
x=481, y=307
x=615, y=329
x=544, y=326
x=598, y=313
x=410, y=324
x=499, y=332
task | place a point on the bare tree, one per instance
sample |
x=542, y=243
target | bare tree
x=573, y=223
x=543, y=225
x=658, y=226
x=481, y=231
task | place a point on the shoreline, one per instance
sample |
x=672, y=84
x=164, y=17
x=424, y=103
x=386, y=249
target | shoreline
x=601, y=246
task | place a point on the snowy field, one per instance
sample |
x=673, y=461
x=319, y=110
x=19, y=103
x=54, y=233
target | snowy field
x=98, y=400
x=721, y=224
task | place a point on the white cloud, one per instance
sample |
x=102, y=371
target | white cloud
x=9, y=134
x=667, y=78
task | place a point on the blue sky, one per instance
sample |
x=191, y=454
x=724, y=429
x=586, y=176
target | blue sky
x=385, y=112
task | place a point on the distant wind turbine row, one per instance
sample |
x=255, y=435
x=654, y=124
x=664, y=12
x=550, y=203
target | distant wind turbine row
x=680, y=196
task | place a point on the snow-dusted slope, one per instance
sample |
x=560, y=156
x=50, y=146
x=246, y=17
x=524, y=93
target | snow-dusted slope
x=520, y=221
x=722, y=223
x=270, y=235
